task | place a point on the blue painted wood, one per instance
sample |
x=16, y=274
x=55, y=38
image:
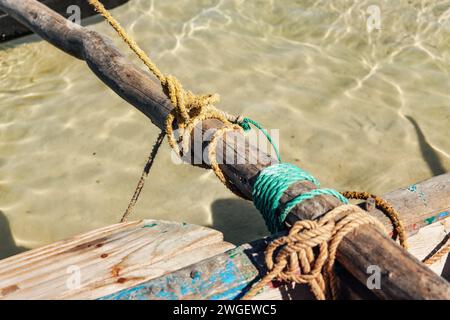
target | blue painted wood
x=227, y=276
x=223, y=277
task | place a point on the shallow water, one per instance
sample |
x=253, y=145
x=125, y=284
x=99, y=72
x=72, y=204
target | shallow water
x=360, y=110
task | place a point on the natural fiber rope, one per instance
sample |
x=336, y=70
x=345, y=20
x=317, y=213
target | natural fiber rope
x=293, y=257
x=189, y=108
x=436, y=255
x=388, y=210
x=144, y=175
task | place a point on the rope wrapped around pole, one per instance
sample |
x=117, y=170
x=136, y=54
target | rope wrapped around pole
x=292, y=258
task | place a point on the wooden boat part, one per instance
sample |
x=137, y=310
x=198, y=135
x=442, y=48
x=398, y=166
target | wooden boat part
x=226, y=277
x=245, y=263
x=124, y=261
x=136, y=87
x=106, y=260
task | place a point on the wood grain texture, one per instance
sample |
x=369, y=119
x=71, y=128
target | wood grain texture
x=402, y=275
x=108, y=260
x=136, y=87
x=247, y=260
x=229, y=275
x=420, y=204
x=424, y=241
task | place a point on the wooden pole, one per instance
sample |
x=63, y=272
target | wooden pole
x=162, y=260
x=12, y=29
x=137, y=87
x=227, y=275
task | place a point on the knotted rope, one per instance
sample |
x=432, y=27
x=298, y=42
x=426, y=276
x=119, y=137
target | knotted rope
x=296, y=260
x=189, y=108
x=381, y=204
x=293, y=258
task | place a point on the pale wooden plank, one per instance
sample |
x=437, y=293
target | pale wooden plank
x=227, y=275
x=422, y=243
x=109, y=259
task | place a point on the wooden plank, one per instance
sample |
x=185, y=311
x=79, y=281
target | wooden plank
x=222, y=277
x=246, y=262
x=422, y=243
x=420, y=204
x=227, y=275
x=12, y=29
x=136, y=87
x=107, y=260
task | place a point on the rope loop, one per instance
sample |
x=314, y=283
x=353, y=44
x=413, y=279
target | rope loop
x=189, y=108
x=245, y=124
x=381, y=204
x=307, y=254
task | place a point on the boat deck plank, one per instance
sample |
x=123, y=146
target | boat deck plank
x=107, y=260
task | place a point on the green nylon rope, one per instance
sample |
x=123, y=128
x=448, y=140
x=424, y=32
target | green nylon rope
x=309, y=195
x=274, y=180
x=270, y=185
x=245, y=124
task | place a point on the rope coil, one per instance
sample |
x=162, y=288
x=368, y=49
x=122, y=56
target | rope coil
x=307, y=253
x=293, y=258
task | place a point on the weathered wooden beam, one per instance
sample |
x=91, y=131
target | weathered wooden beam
x=119, y=258
x=420, y=204
x=243, y=266
x=125, y=258
x=136, y=87
x=12, y=29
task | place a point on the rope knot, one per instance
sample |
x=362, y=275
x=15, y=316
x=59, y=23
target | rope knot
x=244, y=123
x=307, y=253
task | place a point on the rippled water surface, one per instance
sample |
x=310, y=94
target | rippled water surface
x=360, y=110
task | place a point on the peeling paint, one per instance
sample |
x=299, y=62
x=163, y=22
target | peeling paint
x=151, y=225
x=423, y=197
x=226, y=282
x=444, y=214
x=430, y=220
